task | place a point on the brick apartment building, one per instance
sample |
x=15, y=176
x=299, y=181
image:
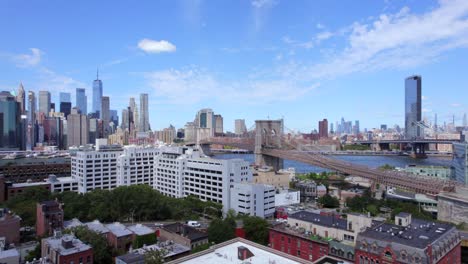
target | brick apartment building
x=49, y=217
x=9, y=226
x=65, y=249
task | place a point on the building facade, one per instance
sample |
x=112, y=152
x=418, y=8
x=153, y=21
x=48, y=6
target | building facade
x=9, y=122
x=323, y=128
x=97, y=96
x=460, y=162
x=44, y=102
x=49, y=217
x=239, y=127
x=65, y=249
x=77, y=129
x=253, y=199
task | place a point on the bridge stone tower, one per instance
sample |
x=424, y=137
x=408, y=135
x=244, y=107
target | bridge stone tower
x=268, y=134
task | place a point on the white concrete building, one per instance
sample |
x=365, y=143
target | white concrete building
x=135, y=165
x=253, y=199
x=95, y=169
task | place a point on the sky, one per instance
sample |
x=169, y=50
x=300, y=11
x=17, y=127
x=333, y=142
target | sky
x=253, y=59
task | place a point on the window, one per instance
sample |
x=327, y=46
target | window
x=298, y=253
x=388, y=254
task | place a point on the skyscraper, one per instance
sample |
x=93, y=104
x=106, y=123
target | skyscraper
x=219, y=129
x=31, y=130
x=357, y=128
x=44, y=102
x=82, y=100
x=465, y=121
x=125, y=120
x=239, y=127
x=65, y=97
x=97, y=95
x=105, y=114
x=133, y=115
x=205, y=119
x=77, y=126
x=413, y=107
x=21, y=99
x=65, y=108
x=323, y=128
x=114, y=117
x=9, y=122
x=144, y=118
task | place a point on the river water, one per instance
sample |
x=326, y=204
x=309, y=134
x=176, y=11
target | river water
x=370, y=161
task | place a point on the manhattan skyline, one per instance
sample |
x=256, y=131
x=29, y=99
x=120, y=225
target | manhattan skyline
x=245, y=60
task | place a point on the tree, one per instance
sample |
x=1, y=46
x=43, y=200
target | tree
x=155, y=256
x=101, y=250
x=329, y=201
x=221, y=230
x=34, y=254
x=256, y=229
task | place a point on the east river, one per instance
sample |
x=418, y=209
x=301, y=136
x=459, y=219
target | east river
x=370, y=161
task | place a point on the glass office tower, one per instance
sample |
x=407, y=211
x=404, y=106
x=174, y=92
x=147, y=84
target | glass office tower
x=413, y=107
x=97, y=96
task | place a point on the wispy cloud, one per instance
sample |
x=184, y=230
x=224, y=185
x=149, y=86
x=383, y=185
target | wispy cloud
x=399, y=40
x=156, y=46
x=194, y=85
x=53, y=81
x=28, y=60
x=261, y=9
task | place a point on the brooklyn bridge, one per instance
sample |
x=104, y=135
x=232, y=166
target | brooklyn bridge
x=271, y=147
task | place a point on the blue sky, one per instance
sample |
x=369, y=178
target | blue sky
x=301, y=60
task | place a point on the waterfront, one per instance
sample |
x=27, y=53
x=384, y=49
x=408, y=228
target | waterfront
x=370, y=161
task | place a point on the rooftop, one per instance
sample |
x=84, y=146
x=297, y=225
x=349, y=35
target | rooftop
x=322, y=220
x=190, y=232
x=57, y=244
x=140, y=230
x=300, y=232
x=10, y=253
x=419, y=234
x=227, y=252
x=172, y=249
x=97, y=227
x=118, y=229
x=72, y=223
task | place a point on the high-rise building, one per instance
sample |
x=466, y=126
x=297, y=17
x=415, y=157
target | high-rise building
x=460, y=162
x=97, y=96
x=44, y=102
x=21, y=99
x=65, y=97
x=125, y=120
x=219, y=124
x=205, y=119
x=413, y=107
x=65, y=108
x=9, y=122
x=357, y=127
x=323, y=128
x=465, y=121
x=77, y=128
x=331, y=128
x=105, y=114
x=239, y=127
x=114, y=117
x=144, y=114
x=82, y=100
x=31, y=130
x=134, y=120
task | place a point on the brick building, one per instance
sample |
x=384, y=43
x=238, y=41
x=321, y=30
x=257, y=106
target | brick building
x=119, y=237
x=409, y=241
x=183, y=234
x=9, y=226
x=65, y=249
x=294, y=242
x=49, y=217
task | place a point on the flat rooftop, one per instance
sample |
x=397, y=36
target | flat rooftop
x=56, y=244
x=419, y=234
x=189, y=232
x=322, y=220
x=227, y=253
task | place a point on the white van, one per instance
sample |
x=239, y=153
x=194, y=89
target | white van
x=193, y=224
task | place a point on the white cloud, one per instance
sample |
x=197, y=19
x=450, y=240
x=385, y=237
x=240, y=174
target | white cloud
x=426, y=110
x=261, y=9
x=399, y=40
x=155, y=46
x=455, y=105
x=324, y=35
x=263, y=3
x=56, y=82
x=194, y=85
x=28, y=60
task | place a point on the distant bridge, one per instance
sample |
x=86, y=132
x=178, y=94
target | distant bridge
x=271, y=147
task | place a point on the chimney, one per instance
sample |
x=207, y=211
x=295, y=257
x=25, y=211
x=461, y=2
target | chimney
x=244, y=253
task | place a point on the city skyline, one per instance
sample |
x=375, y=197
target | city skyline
x=269, y=64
